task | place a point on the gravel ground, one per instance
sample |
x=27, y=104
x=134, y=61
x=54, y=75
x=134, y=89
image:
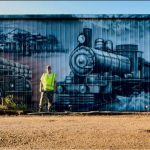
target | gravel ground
x=75, y=132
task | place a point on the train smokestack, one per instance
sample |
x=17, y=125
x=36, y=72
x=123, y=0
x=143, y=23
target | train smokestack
x=88, y=34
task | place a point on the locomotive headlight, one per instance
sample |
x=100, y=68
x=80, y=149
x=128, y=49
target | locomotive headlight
x=81, y=38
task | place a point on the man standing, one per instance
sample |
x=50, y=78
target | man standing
x=47, y=88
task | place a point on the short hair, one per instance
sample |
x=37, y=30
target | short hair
x=48, y=67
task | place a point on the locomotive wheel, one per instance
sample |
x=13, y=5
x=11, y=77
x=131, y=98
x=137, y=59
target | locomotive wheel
x=108, y=98
x=74, y=102
x=103, y=100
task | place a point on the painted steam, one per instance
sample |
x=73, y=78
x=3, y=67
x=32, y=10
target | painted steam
x=137, y=103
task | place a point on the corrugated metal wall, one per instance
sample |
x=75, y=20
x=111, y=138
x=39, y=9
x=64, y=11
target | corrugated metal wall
x=121, y=30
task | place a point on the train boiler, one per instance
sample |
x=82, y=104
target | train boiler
x=99, y=73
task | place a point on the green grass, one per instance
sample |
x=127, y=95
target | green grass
x=2, y=107
x=9, y=104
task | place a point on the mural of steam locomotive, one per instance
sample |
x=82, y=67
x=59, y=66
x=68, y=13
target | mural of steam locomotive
x=15, y=79
x=99, y=73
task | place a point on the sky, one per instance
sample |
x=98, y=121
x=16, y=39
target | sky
x=74, y=7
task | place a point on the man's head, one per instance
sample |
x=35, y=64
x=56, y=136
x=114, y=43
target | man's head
x=48, y=69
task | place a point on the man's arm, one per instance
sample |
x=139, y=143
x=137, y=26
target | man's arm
x=41, y=87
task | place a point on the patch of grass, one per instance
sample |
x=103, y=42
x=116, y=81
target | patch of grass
x=2, y=107
x=8, y=101
x=11, y=105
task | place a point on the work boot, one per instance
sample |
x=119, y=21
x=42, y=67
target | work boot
x=49, y=110
x=40, y=109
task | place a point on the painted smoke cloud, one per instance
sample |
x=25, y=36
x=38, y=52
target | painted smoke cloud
x=139, y=102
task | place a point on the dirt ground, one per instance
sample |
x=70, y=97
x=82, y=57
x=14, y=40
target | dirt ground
x=75, y=132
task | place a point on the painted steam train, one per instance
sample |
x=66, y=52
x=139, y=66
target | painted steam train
x=99, y=73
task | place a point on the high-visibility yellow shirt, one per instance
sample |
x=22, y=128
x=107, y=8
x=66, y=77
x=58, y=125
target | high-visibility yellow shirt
x=48, y=81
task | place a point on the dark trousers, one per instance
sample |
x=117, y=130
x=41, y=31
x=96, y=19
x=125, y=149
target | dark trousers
x=46, y=100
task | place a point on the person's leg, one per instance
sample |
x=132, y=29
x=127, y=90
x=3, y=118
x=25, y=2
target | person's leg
x=49, y=106
x=41, y=101
x=50, y=100
x=46, y=97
